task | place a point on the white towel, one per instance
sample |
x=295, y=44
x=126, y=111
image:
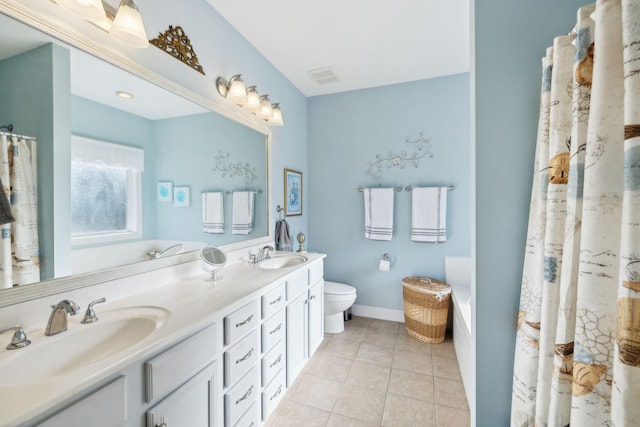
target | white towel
x=213, y=213
x=378, y=213
x=429, y=214
x=243, y=203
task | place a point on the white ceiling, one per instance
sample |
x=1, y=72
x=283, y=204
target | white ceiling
x=367, y=43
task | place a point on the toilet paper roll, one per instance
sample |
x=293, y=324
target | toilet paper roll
x=385, y=264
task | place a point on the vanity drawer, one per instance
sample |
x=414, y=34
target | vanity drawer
x=273, y=301
x=273, y=330
x=168, y=370
x=251, y=418
x=238, y=399
x=272, y=394
x=240, y=322
x=297, y=284
x=273, y=361
x=316, y=271
x=239, y=358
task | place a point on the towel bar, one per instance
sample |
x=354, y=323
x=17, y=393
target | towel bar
x=398, y=189
x=409, y=188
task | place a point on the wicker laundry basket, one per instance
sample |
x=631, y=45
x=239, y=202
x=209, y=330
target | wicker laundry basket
x=426, y=306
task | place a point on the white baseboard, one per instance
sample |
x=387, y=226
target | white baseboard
x=378, y=313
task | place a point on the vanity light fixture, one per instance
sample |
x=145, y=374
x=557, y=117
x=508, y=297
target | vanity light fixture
x=249, y=99
x=128, y=26
x=276, y=116
x=253, y=100
x=266, y=111
x=90, y=10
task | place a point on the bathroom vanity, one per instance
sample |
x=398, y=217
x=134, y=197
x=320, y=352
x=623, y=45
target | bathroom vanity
x=191, y=352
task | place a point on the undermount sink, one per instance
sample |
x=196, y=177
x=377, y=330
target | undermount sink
x=81, y=346
x=282, y=261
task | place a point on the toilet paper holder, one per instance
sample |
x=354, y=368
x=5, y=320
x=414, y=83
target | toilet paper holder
x=385, y=263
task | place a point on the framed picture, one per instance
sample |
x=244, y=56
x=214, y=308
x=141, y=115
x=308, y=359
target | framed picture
x=292, y=192
x=181, y=197
x=165, y=191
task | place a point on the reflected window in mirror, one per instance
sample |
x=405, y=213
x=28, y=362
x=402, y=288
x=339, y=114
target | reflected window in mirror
x=106, y=202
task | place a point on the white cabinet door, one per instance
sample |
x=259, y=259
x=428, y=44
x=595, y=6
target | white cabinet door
x=316, y=316
x=297, y=345
x=105, y=408
x=190, y=405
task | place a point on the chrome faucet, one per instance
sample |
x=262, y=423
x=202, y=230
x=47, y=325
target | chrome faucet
x=58, y=319
x=19, y=339
x=265, y=252
x=90, y=314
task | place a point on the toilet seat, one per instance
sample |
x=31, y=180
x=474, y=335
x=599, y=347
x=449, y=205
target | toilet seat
x=334, y=288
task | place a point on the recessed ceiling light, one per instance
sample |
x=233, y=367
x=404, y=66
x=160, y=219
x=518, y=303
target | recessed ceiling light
x=123, y=94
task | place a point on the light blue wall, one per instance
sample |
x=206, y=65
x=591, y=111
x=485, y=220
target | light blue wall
x=346, y=131
x=198, y=139
x=35, y=98
x=103, y=123
x=510, y=38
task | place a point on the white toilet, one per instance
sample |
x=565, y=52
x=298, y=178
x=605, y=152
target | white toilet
x=337, y=298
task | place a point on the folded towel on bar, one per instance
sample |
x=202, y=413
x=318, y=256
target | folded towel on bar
x=283, y=236
x=213, y=212
x=243, y=205
x=378, y=213
x=429, y=214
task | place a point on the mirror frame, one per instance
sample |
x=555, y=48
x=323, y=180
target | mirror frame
x=46, y=288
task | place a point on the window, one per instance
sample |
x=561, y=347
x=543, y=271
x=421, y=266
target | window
x=106, y=202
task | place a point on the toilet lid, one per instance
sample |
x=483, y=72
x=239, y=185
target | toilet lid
x=338, y=288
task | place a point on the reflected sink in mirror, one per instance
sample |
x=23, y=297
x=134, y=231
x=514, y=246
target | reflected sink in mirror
x=282, y=261
x=81, y=346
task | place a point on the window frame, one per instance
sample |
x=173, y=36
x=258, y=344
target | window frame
x=134, y=192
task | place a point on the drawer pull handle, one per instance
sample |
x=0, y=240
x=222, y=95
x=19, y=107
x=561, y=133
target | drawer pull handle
x=277, y=393
x=245, y=321
x=312, y=297
x=245, y=357
x=246, y=395
x=277, y=300
x=163, y=423
x=276, y=329
x=275, y=362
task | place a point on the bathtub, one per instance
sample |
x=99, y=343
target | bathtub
x=458, y=276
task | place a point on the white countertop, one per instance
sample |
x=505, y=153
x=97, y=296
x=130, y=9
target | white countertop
x=192, y=304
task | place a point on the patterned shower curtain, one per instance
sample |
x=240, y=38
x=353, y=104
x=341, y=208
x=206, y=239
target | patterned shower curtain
x=577, y=356
x=20, y=247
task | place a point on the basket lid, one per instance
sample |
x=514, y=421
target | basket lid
x=427, y=285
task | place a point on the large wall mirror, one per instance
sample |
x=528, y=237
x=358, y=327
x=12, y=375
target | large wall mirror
x=57, y=94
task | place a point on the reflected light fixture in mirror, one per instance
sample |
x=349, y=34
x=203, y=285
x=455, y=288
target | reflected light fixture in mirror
x=90, y=10
x=128, y=26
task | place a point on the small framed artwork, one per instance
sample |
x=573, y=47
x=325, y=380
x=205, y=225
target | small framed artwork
x=181, y=197
x=292, y=192
x=165, y=191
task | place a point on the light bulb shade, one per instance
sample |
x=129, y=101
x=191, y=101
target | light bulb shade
x=237, y=90
x=128, y=26
x=265, y=108
x=253, y=100
x=91, y=10
x=276, y=116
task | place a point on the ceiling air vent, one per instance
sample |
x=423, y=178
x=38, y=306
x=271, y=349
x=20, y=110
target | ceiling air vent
x=323, y=75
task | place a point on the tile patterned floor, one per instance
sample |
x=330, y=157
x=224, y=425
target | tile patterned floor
x=375, y=374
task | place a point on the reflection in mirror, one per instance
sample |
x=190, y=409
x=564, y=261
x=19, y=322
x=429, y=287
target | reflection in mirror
x=56, y=92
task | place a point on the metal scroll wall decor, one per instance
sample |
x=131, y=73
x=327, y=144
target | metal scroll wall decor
x=176, y=43
x=422, y=149
x=234, y=169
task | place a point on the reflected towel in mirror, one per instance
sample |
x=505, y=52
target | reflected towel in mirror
x=378, y=213
x=429, y=214
x=243, y=205
x=213, y=212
